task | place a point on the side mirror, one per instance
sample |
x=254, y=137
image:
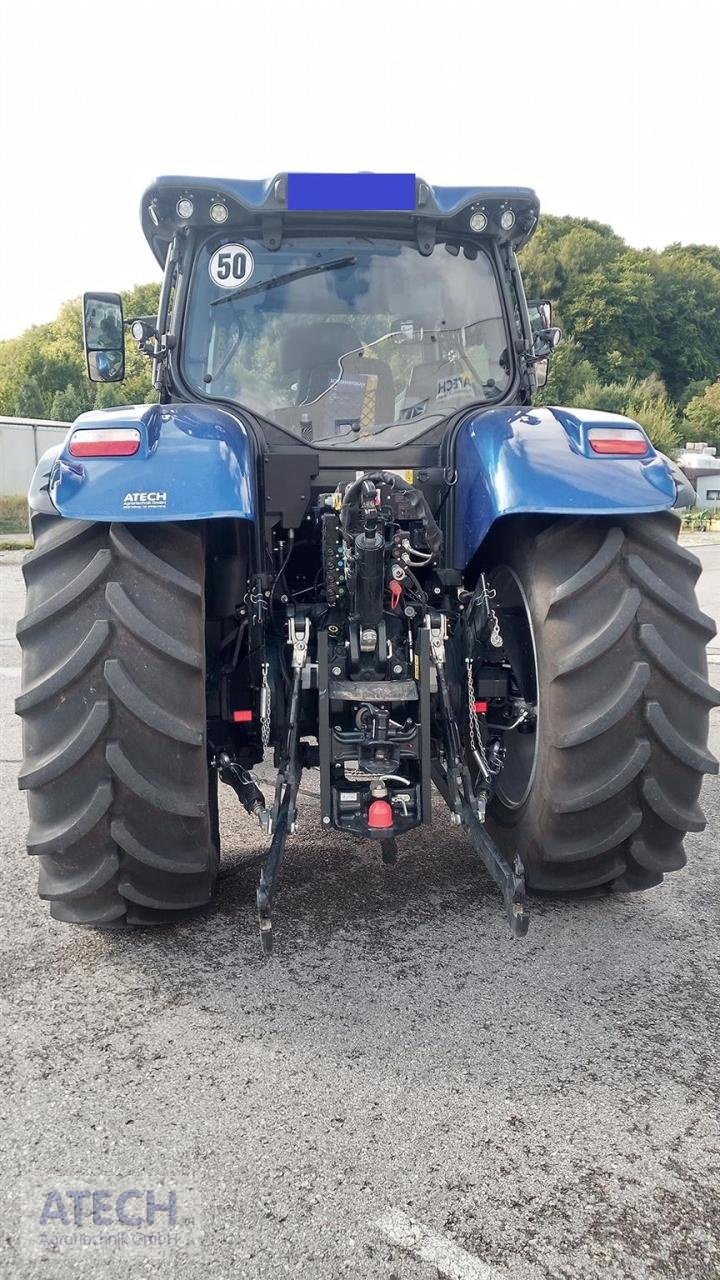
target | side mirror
x=545, y=338
x=103, y=336
x=540, y=315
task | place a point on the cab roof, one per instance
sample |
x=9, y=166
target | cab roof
x=385, y=200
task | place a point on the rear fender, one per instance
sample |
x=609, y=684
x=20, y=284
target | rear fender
x=514, y=460
x=194, y=463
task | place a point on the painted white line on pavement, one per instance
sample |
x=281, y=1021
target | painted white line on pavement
x=430, y=1246
x=11, y=671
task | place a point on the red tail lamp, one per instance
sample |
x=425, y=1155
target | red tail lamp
x=621, y=441
x=105, y=442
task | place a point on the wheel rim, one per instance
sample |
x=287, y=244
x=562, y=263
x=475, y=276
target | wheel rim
x=516, y=778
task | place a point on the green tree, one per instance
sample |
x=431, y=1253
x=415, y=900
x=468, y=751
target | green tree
x=709, y=253
x=702, y=416
x=610, y=313
x=616, y=397
x=68, y=404
x=560, y=249
x=693, y=389
x=570, y=371
x=611, y=397
x=30, y=399
x=687, y=317
x=630, y=312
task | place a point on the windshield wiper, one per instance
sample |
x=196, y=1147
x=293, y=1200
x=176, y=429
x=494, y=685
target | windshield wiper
x=276, y=281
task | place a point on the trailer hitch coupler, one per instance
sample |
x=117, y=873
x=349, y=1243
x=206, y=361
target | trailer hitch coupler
x=380, y=814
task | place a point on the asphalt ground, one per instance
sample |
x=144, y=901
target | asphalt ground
x=401, y=1092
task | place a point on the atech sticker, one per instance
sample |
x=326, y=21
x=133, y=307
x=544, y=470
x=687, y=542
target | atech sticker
x=154, y=499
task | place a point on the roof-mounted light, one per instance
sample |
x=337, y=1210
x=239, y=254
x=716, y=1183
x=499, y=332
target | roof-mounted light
x=507, y=219
x=219, y=212
x=185, y=207
x=478, y=220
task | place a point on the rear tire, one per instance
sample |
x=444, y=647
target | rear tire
x=114, y=721
x=623, y=702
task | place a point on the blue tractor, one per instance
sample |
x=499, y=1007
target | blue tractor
x=344, y=534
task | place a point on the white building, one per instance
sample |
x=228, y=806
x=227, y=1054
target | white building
x=702, y=468
x=22, y=442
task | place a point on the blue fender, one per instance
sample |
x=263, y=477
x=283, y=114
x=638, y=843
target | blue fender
x=194, y=463
x=539, y=461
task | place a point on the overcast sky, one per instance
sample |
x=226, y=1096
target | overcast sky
x=610, y=110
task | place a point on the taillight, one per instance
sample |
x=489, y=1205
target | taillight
x=628, y=441
x=105, y=442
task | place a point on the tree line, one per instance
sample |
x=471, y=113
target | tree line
x=642, y=337
x=642, y=328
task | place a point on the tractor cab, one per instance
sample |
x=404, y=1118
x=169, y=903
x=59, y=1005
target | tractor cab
x=349, y=311
x=341, y=338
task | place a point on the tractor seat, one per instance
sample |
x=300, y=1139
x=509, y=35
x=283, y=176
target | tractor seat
x=313, y=353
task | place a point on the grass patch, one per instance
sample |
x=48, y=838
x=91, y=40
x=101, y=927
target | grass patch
x=13, y=513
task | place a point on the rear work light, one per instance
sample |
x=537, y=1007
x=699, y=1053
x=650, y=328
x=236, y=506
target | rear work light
x=627, y=441
x=106, y=442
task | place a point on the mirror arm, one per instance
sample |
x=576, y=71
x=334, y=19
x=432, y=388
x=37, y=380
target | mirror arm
x=165, y=344
x=523, y=344
x=164, y=347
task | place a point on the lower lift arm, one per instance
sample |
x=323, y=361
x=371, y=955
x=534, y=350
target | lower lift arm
x=455, y=786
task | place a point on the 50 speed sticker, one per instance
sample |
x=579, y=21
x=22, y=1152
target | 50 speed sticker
x=231, y=266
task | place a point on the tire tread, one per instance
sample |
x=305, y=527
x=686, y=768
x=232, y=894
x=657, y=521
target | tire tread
x=621, y=645
x=114, y=722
